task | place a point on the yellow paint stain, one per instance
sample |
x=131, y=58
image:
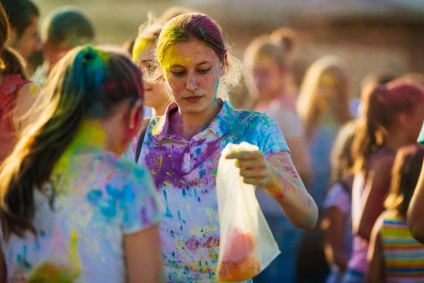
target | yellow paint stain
x=160, y=162
x=188, y=207
x=166, y=184
x=73, y=250
x=48, y=272
x=34, y=89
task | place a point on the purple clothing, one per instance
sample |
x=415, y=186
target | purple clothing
x=339, y=198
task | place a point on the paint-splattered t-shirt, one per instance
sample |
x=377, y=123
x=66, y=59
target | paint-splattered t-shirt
x=185, y=175
x=99, y=198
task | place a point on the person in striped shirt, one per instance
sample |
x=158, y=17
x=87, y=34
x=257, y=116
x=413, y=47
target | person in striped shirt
x=394, y=255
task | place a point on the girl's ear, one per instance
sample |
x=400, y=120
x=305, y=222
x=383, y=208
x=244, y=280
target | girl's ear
x=135, y=116
x=223, y=65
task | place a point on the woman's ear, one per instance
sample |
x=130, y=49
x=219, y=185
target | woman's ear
x=135, y=116
x=223, y=65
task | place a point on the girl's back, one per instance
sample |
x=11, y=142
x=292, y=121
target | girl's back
x=403, y=255
x=98, y=198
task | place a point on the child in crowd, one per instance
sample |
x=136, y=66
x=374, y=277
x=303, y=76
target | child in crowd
x=393, y=255
x=71, y=209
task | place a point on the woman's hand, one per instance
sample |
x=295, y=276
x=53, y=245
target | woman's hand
x=279, y=177
x=253, y=167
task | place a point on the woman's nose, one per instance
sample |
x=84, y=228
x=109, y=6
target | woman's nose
x=191, y=84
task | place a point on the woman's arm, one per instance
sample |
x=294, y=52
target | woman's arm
x=300, y=157
x=26, y=98
x=279, y=177
x=416, y=210
x=3, y=271
x=143, y=256
x=375, y=266
x=334, y=235
x=372, y=201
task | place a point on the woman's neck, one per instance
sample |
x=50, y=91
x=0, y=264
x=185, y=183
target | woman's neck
x=159, y=111
x=188, y=125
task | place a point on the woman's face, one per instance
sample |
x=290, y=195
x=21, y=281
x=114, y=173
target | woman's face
x=264, y=79
x=29, y=41
x=192, y=71
x=416, y=118
x=154, y=94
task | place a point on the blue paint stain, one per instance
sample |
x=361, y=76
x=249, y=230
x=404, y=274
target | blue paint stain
x=179, y=218
x=202, y=173
x=173, y=254
x=127, y=195
x=113, y=192
x=184, y=192
x=198, y=151
x=198, y=199
x=168, y=212
x=94, y=196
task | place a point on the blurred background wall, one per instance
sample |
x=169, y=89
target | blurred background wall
x=372, y=35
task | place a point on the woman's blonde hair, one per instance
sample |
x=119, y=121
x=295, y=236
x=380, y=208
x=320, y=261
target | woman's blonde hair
x=330, y=70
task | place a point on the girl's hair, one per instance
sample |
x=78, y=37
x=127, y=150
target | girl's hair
x=331, y=71
x=197, y=26
x=341, y=155
x=10, y=61
x=380, y=104
x=405, y=174
x=148, y=33
x=20, y=14
x=278, y=47
x=88, y=83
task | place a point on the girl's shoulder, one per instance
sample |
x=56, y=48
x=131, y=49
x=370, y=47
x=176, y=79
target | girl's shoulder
x=119, y=166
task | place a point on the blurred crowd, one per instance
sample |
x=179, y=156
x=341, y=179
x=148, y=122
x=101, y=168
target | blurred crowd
x=352, y=165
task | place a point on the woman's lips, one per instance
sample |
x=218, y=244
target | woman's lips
x=193, y=98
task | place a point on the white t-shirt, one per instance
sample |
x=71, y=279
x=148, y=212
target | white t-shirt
x=99, y=198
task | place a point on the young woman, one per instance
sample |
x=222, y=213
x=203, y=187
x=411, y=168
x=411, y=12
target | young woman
x=70, y=208
x=394, y=256
x=323, y=106
x=23, y=16
x=143, y=55
x=267, y=78
x=182, y=149
x=391, y=117
x=17, y=93
x=415, y=210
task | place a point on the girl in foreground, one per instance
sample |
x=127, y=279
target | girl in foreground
x=71, y=209
x=182, y=149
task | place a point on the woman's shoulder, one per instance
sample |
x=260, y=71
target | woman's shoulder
x=259, y=118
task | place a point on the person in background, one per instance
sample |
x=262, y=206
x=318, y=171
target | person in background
x=323, y=106
x=393, y=255
x=391, y=117
x=182, y=148
x=337, y=204
x=62, y=30
x=267, y=62
x=72, y=209
x=143, y=55
x=23, y=16
x=17, y=93
x=416, y=207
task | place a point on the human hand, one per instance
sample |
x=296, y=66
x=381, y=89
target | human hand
x=253, y=166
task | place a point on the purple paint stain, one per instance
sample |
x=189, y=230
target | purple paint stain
x=168, y=164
